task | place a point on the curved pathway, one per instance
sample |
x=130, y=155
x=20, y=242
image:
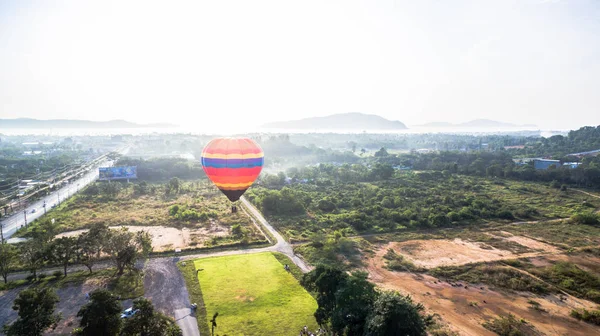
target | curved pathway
x=281, y=245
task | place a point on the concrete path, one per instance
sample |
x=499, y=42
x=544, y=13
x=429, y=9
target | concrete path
x=165, y=287
x=281, y=246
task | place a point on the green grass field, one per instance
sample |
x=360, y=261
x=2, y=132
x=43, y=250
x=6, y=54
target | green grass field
x=254, y=295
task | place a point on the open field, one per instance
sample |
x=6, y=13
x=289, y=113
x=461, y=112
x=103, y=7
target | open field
x=195, y=216
x=253, y=295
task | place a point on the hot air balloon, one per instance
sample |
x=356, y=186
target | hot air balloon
x=232, y=164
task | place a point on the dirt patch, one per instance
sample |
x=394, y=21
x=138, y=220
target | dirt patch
x=245, y=298
x=436, y=252
x=539, y=262
x=532, y=244
x=464, y=308
x=168, y=238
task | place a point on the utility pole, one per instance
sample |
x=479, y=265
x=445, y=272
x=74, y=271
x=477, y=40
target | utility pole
x=25, y=216
x=44, y=207
x=58, y=196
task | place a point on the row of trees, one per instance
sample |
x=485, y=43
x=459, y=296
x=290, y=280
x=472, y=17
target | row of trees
x=500, y=164
x=121, y=246
x=351, y=305
x=100, y=316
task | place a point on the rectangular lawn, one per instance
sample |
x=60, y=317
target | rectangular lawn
x=254, y=295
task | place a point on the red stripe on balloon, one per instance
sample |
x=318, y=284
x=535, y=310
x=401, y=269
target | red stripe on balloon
x=224, y=172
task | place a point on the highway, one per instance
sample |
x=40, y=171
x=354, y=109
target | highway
x=10, y=224
x=35, y=210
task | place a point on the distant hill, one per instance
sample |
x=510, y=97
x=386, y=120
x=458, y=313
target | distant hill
x=482, y=123
x=343, y=121
x=70, y=123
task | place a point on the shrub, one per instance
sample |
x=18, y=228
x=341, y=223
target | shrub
x=510, y=326
x=586, y=218
x=397, y=262
x=236, y=230
x=57, y=274
x=326, y=205
x=590, y=316
x=174, y=210
x=42, y=276
x=505, y=214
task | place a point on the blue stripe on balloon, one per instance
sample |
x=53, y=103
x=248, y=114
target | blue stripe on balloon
x=232, y=163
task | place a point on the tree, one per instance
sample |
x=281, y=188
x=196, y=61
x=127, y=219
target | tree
x=32, y=256
x=149, y=322
x=101, y=315
x=44, y=232
x=353, y=303
x=35, y=307
x=63, y=251
x=173, y=186
x=325, y=281
x=392, y=314
x=8, y=258
x=381, y=153
x=90, y=245
x=383, y=171
x=125, y=247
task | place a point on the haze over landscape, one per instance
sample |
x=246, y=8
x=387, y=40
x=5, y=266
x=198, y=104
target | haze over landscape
x=250, y=63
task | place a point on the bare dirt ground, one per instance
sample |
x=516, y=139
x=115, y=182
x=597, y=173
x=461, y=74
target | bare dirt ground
x=168, y=238
x=464, y=308
x=438, y=252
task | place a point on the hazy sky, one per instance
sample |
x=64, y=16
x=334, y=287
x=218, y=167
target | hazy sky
x=248, y=62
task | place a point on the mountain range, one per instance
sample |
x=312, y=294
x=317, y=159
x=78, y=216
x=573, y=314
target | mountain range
x=353, y=121
x=482, y=123
x=70, y=123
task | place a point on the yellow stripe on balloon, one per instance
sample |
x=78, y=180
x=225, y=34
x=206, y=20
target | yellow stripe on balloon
x=232, y=156
x=234, y=185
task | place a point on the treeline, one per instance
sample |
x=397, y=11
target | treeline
x=500, y=164
x=164, y=168
x=120, y=246
x=582, y=140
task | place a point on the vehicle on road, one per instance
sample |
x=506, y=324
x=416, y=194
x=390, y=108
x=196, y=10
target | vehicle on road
x=129, y=312
x=32, y=210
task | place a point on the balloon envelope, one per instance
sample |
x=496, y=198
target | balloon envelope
x=232, y=164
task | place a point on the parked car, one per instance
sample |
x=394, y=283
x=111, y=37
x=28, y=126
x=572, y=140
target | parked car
x=129, y=312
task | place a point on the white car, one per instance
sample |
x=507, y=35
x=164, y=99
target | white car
x=129, y=312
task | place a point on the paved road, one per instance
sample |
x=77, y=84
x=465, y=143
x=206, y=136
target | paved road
x=165, y=286
x=11, y=224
